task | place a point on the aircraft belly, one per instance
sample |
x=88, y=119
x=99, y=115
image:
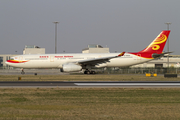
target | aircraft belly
x=39, y=64
x=122, y=62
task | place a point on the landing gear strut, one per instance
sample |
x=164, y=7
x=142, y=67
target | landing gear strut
x=89, y=72
x=22, y=72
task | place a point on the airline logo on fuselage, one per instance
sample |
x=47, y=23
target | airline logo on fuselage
x=43, y=56
x=56, y=56
x=63, y=56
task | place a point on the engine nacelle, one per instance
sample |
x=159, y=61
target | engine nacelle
x=101, y=65
x=70, y=67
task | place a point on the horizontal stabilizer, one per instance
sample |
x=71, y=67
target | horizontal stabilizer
x=155, y=55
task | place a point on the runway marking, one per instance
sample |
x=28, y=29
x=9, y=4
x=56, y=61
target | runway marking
x=88, y=84
x=127, y=84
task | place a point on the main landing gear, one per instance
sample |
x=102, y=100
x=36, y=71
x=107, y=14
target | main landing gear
x=89, y=72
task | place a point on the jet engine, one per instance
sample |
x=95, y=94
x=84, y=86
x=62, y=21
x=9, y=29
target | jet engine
x=70, y=67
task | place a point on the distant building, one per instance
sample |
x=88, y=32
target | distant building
x=92, y=48
x=32, y=49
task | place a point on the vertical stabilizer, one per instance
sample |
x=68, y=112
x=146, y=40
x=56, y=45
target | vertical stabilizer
x=158, y=43
x=156, y=47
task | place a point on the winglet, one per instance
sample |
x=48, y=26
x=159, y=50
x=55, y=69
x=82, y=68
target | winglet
x=121, y=54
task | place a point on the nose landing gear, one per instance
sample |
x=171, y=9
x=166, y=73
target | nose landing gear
x=22, y=72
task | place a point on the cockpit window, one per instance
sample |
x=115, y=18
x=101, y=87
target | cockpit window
x=11, y=58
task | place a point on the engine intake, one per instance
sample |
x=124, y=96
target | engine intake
x=70, y=67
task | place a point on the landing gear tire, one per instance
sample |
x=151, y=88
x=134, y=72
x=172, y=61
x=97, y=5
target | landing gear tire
x=22, y=72
x=86, y=72
x=93, y=72
x=89, y=72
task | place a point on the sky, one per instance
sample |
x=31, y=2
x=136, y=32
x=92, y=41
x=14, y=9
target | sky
x=120, y=25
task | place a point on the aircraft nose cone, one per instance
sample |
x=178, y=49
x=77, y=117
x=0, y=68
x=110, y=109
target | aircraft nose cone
x=7, y=62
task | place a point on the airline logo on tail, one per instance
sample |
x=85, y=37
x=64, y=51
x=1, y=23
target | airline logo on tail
x=156, y=46
x=159, y=40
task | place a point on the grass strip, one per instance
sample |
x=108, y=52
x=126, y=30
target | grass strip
x=85, y=78
x=90, y=103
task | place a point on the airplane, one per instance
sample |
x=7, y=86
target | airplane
x=85, y=62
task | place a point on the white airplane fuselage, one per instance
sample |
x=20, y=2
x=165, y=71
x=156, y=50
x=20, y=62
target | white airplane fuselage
x=57, y=60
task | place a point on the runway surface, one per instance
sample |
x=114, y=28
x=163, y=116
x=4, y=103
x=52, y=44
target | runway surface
x=24, y=84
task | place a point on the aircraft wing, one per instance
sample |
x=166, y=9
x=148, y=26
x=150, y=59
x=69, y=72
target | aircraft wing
x=98, y=60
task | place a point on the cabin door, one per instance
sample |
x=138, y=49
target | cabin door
x=138, y=56
x=51, y=58
x=21, y=59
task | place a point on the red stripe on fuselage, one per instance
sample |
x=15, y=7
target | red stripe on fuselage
x=16, y=61
x=143, y=55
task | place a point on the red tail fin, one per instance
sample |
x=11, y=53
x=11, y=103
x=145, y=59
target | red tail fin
x=158, y=44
